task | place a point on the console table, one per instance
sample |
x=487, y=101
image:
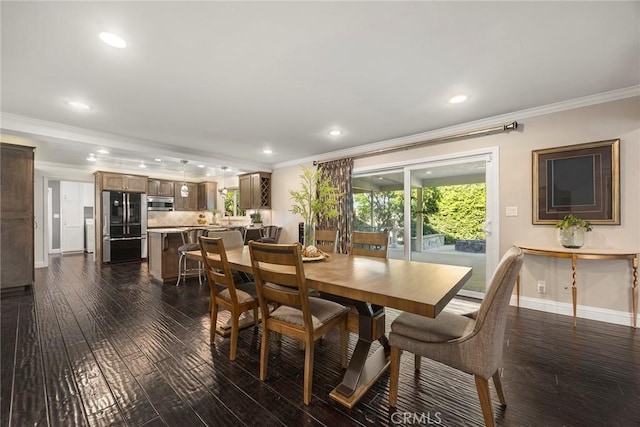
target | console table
x=586, y=253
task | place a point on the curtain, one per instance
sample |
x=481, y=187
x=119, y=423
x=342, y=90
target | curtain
x=339, y=174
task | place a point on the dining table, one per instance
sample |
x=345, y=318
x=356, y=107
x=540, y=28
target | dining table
x=371, y=284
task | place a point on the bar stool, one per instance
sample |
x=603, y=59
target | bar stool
x=189, y=243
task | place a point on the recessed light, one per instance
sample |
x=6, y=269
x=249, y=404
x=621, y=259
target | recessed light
x=158, y=160
x=103, y=151
x=458, y=99
x=267, y=151
x=91, y=158
x=380, y=178
x=79, y=105
x=200, y=166
x=428, y=172
x=113, y=40
x=335, y=132
x=142, y=165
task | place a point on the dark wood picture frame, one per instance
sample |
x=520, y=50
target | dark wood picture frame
x=582, y=179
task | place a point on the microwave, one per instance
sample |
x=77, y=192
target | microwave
x=158, y=203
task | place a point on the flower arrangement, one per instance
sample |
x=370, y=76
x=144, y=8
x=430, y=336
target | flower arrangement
x=572, y=230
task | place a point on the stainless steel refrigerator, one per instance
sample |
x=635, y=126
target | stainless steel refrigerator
x=124, y=230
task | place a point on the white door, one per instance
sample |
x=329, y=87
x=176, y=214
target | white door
x=71, y=217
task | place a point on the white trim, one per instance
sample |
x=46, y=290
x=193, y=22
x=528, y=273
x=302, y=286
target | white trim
x=584, y=101
x=55, y=251
x=41, y=264
x=582, y=312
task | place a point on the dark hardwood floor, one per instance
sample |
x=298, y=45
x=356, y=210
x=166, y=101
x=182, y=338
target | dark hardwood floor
x=108, y=346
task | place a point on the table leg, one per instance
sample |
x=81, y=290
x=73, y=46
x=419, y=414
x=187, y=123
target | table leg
x=574, y=288
x=364, y=369
x=518, y=290
x=634, y=289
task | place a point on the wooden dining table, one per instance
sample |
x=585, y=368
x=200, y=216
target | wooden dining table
x=371, y=284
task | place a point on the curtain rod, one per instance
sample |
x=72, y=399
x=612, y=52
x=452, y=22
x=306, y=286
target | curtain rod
x=481, y=132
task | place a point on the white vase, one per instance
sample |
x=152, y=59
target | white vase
x=572, y=236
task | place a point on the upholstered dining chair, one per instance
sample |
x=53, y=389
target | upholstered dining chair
x=270, y=234
x=327, y=240
x=189, y=243
x=231, y=238
x=279, y=277
x=369, y=244
x=472, y=343
x=237, y=298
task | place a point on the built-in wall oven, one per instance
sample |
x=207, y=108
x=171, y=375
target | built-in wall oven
x=124, y=230
x=159, y=203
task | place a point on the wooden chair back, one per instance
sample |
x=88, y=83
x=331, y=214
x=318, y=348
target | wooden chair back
x=369, y=244
x=327, y=240
x=279, y=277
x=216, y=265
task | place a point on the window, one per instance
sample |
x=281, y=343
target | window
x=232, y=203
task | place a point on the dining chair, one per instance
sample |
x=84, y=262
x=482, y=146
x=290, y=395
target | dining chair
x=327, y=240
x=472, y=343
x=189, y=243
x=237, y=298
x=369, y=244
x=233, y=239
x=270, y=234
x=279, y=277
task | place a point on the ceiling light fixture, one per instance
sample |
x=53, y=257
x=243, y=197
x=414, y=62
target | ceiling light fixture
x=267, y=151
x=224, y=190
x=142, y=165
x=200, y=166
x=91, y=158
x=113, y=40
x=78, y=105
x=103, y=151
x=458, y=99
x=335, y=132
x=184, y=190
x=158, y=160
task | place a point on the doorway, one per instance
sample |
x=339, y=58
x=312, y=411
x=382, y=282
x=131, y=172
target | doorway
x=442, y=210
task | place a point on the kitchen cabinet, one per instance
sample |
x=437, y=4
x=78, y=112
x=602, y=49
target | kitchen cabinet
x=255, y=190
x=159, y=187
x=16, y=217
x=207, y=196
x=189, y=203
x=121, y=182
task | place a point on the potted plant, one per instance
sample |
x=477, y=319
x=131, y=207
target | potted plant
x=572, y=231
x=315, y=198
x=256, y=218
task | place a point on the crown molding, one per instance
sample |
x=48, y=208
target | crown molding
x=572, y=104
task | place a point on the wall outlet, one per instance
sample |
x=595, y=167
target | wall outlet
x=542, y=287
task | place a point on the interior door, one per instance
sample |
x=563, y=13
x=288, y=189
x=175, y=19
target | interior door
x=72, y=217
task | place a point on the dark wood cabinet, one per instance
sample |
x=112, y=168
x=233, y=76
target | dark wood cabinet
x=207, y=196
x=189, y=203
x=121, y=182
x=16, y=217
x=160, y=187
x=255, y=190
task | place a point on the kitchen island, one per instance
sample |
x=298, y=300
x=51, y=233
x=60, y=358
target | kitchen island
x=163, y=251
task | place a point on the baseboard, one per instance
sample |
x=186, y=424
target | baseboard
x=40, y=264
x=582, y=312
x=54, y=251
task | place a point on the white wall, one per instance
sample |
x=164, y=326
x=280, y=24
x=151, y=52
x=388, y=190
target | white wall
x=603, y=286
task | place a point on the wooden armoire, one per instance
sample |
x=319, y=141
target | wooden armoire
x=16, y=217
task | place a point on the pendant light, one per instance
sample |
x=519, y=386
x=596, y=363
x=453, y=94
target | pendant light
x=224, y=181
x=184, y=190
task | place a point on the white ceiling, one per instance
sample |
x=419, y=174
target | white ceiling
x=217, y=82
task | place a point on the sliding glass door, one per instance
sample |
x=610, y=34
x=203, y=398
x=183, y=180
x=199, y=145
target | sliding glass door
x=439, y=210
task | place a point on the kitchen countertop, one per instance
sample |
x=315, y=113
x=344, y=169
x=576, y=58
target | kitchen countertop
x=167, y=230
